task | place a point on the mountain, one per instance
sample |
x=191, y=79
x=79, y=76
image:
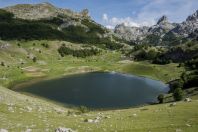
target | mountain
x=43, y=10
x=45, y=21
x=164, y=32
x=131, y=33
x=162, y=27
x=187, y=27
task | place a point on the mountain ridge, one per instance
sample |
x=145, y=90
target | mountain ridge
x=45, y=21
x=43, y=10
x=161, y=30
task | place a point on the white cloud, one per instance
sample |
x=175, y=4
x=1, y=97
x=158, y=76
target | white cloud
x=112, y=22
x=105, y=17
x=109, y=26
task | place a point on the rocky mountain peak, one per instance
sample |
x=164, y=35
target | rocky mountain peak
x=162, y=20
x=193, y=17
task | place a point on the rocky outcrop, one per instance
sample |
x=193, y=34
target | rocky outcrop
x=130, y=33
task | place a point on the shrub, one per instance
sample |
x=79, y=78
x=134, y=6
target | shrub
x=2, y=64
x=161, y=61
x=46, y=45
x=34, y=59
x=152, y=54
x=5, y=16
x=161, y=98
x=175, y=84
x=63, y=50
x=83, y=109
x=178, y=94
x=18, y=44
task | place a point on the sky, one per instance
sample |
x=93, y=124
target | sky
x=130, y=12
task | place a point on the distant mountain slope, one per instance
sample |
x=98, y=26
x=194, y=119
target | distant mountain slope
x=163, y=32
x=43, y=10
x=44, y=21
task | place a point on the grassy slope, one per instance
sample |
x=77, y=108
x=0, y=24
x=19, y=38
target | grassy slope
x=50, y=65
x=44, y=116
x=164, y=73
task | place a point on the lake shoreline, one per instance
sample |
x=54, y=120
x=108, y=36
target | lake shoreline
x=48, y=78
x=125, y=77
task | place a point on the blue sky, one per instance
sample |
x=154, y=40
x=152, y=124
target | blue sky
x=130, y=12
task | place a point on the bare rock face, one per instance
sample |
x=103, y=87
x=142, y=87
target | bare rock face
x=130, y=33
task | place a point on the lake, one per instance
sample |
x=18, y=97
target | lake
x=98, y=90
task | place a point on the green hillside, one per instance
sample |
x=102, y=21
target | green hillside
x=20, y=112
x=59, y=42
x=88, y=31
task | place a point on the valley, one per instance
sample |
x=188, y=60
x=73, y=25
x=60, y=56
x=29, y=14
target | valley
x=60, y=43
x=19, y=68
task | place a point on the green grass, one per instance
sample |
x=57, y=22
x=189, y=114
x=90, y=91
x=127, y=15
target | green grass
x=153, y=118
x=164, y=73
x=49, y=65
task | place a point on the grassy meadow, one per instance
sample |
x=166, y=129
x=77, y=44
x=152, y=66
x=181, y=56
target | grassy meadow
x=21, y=112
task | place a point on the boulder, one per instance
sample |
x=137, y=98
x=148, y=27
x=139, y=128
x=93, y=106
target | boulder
x=187, y=100
x=188, y=125
x=59, y=111
x=3, y=130
x=29, y=109
x=173, y=104
x=28, y=130
x=92, y=121
x=62, y=129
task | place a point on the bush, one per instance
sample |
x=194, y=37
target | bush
x=46, y=45
x=178, y=94
x=34, y=59
x=161, y=98
x=161, y=61
x=143, y=54
x=5, y=16
x=18, y=44
x=2, y=64
x=175, y=84
x=152, y=54
x=63, y=50
x=83, y=109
